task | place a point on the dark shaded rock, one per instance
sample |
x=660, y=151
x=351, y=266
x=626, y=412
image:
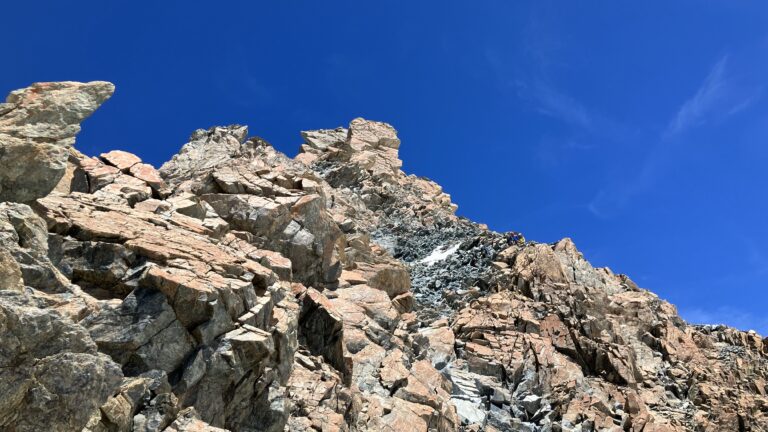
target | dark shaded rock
x=142, y=333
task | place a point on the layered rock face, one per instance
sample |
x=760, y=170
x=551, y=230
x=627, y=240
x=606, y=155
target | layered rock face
x=238, y=289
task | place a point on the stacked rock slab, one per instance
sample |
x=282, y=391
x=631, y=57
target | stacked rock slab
x=238, y=289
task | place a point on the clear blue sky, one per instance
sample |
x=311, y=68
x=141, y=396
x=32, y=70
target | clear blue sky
x=639, y=129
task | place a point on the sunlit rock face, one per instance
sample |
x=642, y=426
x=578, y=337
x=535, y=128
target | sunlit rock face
x=235, y=288
x=38, y=125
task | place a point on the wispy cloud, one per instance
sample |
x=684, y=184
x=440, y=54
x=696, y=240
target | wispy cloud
x=549, y=101
x=721, y=95
x=746, y=103
x=606, y=203
x=711, y=92
x=534, y=87
x=718, y=96
x=546, y=99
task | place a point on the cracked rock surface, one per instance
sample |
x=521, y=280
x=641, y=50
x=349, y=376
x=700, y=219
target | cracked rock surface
x=235, y=288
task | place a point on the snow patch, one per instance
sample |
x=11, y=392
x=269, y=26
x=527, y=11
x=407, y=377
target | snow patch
x=439, y=254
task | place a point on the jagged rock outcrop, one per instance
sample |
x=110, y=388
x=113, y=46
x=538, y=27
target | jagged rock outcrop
x=238, y=289
x=37, y=131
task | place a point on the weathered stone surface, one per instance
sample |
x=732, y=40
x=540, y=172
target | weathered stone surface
x=148, y=174
x=320, y=399
x=205, y=150
x=375, y=303
x=322, y=328
x=233, y=376
x=24, y=236
x=322, y=139
x=122, y=160
x=10, y=273
x=257, y=190
x=75, y=179
x=560, y=333
x=239, y=289
x=189, y=421
x=391, y=278
x=51, y=376
x=437, y=342
x=142, y=333
x=37, y=127
x=98, y=173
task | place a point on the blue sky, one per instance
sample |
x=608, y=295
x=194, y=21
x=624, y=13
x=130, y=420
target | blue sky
x=639, y=129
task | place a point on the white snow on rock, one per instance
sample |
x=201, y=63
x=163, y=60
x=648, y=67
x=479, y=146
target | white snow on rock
x=440, y=254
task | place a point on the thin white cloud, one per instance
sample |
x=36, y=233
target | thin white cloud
x=719, y=96
x=605, y=204
x=548, y=100
x=534, y=85
x=746, y=103
x=693, y=111
x=559, y=105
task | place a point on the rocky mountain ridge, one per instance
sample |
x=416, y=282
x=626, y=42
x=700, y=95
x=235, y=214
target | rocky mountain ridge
x=235, y=288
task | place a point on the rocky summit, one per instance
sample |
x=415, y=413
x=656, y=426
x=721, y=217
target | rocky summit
x=235, y=288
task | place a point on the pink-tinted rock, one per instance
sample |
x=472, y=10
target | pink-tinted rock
x=122, y=160
x=148, y=174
